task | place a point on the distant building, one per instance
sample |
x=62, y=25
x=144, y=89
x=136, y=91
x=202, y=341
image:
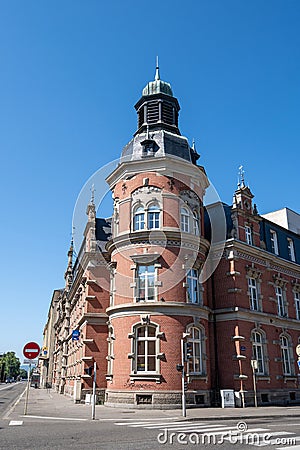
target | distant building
x=138, y=285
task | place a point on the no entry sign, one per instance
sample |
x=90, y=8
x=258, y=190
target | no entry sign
x=31, y=350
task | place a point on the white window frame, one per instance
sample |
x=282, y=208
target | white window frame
x=291, y=249
x=258, y=352
x=196, y=223
x=274, y=242
x=110, y=352
x=147, y=276
x=249, y=235
x=253, y=294
x=193, y=287
x=185, y=219
x=146, y=339
x=286, y=355
x=281, y=306
x=153, y=210
x=297, y=304
x=139, y=218
x=197, y=351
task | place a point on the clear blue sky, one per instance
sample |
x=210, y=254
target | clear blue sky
x=70, y=74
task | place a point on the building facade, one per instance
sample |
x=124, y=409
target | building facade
x=137, y=289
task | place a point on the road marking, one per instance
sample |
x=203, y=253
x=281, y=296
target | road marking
x=6, y=416
x=53, y=418
x=16, y=422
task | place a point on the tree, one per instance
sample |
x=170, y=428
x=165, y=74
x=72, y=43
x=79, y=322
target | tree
x=10, y=366
x=23, y=373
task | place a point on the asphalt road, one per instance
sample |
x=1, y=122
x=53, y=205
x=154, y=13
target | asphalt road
x=9, y=393
x=54, y=422
x=150, y=434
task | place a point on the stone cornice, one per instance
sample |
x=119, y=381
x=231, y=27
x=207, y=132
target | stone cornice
x=235, y=313
x=260, y=256
x=159, y=309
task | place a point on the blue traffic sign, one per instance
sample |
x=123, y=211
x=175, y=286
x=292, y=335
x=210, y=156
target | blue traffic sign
x=298, y=362
x=75, y=335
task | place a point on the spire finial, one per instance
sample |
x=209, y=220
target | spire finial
x=193, y=144
x=157, y=76
x=93, y=194
x=241, y=177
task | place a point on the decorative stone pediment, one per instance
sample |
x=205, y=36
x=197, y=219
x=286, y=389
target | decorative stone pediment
x=190, y=198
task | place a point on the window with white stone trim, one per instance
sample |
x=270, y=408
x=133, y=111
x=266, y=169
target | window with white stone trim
x=258, y=351
x=285, y=346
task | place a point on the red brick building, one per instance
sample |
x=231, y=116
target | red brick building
x=150, y=275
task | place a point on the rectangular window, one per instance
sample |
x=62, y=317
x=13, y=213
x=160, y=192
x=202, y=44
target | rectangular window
x=193, y=286
x=274, y=242
x=253, y=293
x=280, y=302
x=248, y=232
x=291, y=250
x=146, y=283
x=297, y=304
x=146, y=349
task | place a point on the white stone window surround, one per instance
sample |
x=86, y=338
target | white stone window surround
x=197, y=364
x=291, y=249
x=254, y=281
x=274, y=242
x=249, y=234
x=194, y=289
x=147, y=200
x=110, y=353
x=296, y=294
x=137, y=371
x=259, y=351
x=190, y=217
x=286, y=354
x=140, y=260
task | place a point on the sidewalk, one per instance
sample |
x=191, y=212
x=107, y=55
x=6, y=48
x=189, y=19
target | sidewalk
x=47, y=403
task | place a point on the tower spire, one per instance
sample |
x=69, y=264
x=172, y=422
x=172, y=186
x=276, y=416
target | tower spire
x=241, y=177
x=157, y=76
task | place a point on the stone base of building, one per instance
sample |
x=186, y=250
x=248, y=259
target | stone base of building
x=156, y=399
x=273, y=397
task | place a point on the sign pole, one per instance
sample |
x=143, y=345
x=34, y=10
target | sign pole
x=94, y=393
x=27, y=390
x=183, y=379
x=254, y=366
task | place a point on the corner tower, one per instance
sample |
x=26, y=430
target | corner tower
x=157, y=251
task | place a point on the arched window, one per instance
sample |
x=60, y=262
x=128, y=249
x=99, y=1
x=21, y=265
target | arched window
x=196, y=223
x=145, y=353
x=139, y=219
x=185, y=220
x=153, y=216
x=258, y=351
x=195, y=363
x=286, y=355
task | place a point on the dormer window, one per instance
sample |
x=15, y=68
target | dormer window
x=291, y=250
x=149, y=148
x=274, y=242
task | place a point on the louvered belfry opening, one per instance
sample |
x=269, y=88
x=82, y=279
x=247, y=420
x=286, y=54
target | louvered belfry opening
x=158, y=113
